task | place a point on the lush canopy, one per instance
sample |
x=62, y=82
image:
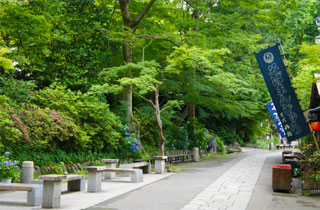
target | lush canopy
x=97, y=64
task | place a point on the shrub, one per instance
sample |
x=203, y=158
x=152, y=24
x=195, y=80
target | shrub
x=177, y=139
x=214, y=141
x=17, y=91
x=228, y=135
x=129, y=146
x=8, y=168
x=88, y=112
x=8, y=133
x=197, y=134
x=22, y=152
x=46, y=129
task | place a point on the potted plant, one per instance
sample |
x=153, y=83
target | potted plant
x=310, y=176
x=8, y=169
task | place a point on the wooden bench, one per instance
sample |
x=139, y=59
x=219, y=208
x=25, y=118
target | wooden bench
x=34, y=195
x=284, y=146
x=95, y=175
x=51, y=197
x=179, y=158
x=149, y=160
x=145, y=166
x=286, y=153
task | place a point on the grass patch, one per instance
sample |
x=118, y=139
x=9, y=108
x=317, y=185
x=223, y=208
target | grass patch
x=173, y=168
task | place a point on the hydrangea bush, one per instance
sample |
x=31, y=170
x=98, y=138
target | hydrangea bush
x=8, y=168
x=130, y=146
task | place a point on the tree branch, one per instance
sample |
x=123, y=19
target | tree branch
x=165, y=108
x=114, y=8
x=140, y=16
x=148, y=100
x=149, y=36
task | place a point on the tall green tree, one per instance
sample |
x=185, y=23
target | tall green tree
x=57, y=41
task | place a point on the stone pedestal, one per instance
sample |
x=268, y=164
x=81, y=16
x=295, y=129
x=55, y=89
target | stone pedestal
x=159, y=162
x=110, y=163
x=124, y=166
x=196, y=155
x=51, y=197
x=94, y=179
x=34, y=197
x=137, y=176
x=27, y=172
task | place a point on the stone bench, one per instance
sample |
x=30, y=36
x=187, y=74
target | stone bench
x=145, y=166
x=51, y=197
x=95, y=174
x=34, y=195
x=110, y=163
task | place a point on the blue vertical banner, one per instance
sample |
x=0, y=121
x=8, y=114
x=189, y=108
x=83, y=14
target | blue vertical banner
x=275, y=116
x=282, y=93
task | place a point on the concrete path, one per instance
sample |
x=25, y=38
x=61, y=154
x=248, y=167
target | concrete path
x=174, y=192
x=237, y=183
x=234, y=188
x=81, y=200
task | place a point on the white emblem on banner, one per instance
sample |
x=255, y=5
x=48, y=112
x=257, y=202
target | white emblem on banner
x=268, y=57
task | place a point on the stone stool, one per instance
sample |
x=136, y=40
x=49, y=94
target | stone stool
x=110, y=163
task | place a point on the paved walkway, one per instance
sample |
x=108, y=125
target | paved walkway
x=81, y=200
x=233, y=189
x=236, y=183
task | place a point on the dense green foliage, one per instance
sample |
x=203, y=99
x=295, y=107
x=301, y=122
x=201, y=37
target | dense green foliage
x=71, y=70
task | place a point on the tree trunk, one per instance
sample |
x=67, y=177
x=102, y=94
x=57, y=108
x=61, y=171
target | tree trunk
x=127, y=95
x=130, y=25
x=191, y=111
x=159, y=121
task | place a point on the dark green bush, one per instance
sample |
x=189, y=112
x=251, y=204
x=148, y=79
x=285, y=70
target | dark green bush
x=24, y=152
x=177, y=139
x=17, y=91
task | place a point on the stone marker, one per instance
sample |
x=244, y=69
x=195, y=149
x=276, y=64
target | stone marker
x=196, y=156
x=27, y=172
x=159, y=162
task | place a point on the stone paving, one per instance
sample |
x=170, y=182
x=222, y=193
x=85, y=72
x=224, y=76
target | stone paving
x=232, y=190
x=83, y=199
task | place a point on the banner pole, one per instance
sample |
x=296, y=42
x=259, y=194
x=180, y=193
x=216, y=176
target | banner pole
x=298, y=95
